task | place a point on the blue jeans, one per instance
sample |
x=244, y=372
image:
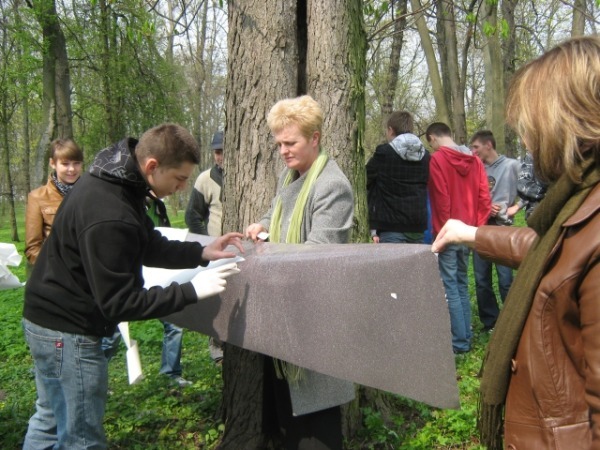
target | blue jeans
x=453, y=263
x=171, y=349
x=71, y=376
x=487, y=303
x=395, y=237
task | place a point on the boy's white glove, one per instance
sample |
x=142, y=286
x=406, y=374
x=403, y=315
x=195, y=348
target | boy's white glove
x=212, y=281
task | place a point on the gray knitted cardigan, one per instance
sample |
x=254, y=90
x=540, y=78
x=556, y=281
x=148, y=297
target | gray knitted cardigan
x=327, y=219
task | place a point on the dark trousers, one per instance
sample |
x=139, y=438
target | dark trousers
x=487, y=303
x=320, y=430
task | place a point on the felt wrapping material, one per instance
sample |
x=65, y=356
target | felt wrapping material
x=374, y=314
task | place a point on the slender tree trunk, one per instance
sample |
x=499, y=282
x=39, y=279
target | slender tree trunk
x=579, y=12
x=442, y=109
x=57, y=80
x=459, y=121
x=509, y=56
x=494, y=82
x=400, y=8
x=10, y=194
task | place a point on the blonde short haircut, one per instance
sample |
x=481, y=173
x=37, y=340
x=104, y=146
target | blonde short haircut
x=170, y=144
x=553, y=103
x=303, y=111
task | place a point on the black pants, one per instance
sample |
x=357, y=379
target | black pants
x=320, y=430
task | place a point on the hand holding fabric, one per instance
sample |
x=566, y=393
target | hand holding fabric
x=213, y=281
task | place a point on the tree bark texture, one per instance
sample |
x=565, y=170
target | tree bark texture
x=262, y=69
x=281, y=49
x=399, y=17
x=336, y=70
x=509, y=52
x=56, y=83
x=441, y=107
x=494, y=82
x=459, y=121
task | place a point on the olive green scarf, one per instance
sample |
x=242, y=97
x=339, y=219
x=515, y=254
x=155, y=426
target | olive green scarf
x=295, y=228
x=561, y=202
x=291, y=372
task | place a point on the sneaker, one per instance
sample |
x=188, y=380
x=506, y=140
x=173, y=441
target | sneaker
x=181, y=382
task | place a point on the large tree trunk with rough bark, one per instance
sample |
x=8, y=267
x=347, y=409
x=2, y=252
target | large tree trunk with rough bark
x=281, y=49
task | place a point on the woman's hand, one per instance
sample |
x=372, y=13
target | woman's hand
x=454, y=232
x=253, y=230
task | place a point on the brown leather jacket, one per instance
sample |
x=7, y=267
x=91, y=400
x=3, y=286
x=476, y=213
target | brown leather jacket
x=553, y=399
x=42, y=204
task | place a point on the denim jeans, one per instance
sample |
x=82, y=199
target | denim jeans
x=453, y=263
x=171, y=349
x=71, y=376
x=487, y=303
x=395, y=237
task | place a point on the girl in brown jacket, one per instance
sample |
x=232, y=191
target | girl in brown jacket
x=66, y=160
x=541, y=373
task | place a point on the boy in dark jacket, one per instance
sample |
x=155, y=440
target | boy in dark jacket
x=88, y=278
x=397, y=176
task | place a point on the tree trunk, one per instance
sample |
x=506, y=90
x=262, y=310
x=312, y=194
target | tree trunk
x=276, y=50
x=579, y=12
x=262, y=69
x=442, y=109
x=10, y=194
x=57, y=80
x=399, y=18
x=509, y=56
x=457, y=104
x=494, y=83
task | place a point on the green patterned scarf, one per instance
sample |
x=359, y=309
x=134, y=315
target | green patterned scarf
x=561, y=202
x=283, y=369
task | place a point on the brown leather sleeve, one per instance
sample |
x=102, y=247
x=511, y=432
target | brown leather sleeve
x=504, y=245
x=34, y=229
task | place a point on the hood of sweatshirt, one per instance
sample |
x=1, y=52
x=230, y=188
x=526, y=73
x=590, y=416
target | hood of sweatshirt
x=408, y=146
x=459, y=157
x=117, y=164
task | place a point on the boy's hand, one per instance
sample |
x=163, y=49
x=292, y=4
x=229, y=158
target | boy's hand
x=216, y=249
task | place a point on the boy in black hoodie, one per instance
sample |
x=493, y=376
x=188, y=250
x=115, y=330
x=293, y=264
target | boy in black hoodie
x=88, y=278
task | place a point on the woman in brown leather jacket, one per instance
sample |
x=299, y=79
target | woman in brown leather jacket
x=541, y=372
x=66, y=160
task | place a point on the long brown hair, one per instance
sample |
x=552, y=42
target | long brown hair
x=554, y=105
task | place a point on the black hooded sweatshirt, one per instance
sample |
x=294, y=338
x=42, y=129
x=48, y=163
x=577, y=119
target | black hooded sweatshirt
x=88, y=276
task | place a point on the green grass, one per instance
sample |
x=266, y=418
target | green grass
x=155, y=415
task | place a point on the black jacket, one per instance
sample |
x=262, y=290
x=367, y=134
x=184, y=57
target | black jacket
x=397, y=176
x=88, y=276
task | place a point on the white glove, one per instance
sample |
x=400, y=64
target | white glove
x=212, y=281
